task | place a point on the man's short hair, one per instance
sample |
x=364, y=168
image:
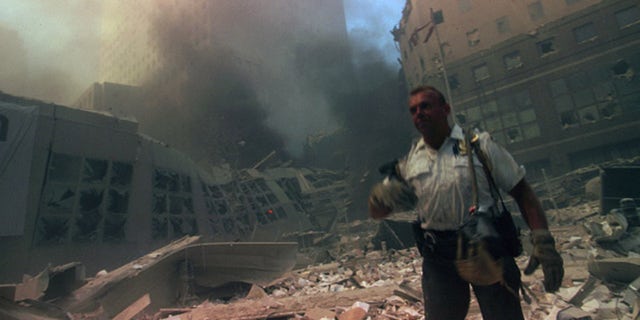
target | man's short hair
x=425, y=88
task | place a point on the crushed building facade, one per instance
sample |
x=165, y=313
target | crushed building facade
x=85, y=186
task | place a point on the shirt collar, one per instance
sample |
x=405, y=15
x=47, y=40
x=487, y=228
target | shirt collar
x=456, y=133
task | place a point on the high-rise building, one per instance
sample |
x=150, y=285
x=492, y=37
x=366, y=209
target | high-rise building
x=138, y=36
x=556, y=82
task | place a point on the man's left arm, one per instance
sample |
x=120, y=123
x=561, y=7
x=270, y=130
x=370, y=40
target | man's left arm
x=544, y=249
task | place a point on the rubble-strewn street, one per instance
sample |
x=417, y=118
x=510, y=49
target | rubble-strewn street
x=358, y=281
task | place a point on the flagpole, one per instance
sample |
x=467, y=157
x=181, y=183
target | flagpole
x=444, y=69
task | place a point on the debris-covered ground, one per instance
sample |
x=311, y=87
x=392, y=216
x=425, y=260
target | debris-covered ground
x=362, y=270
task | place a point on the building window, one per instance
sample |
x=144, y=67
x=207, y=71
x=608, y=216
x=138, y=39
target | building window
x=85, y=200
x=536, y=12
x=4, y=127
x=464, y=5
x=511, y=119
x=546, y=47
x=473, y=37
x=481, y=72
x=503, y=25
x=628, y=17
x=584, y=98
x=585, y=32
x=512, y=60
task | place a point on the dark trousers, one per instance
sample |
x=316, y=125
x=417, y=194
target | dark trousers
x=446, y=295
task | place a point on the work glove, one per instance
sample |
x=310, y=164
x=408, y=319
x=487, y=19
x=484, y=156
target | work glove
x=544, y=253
x=392, y=195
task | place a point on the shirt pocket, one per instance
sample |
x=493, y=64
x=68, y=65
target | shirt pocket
x=417, y=174
x=461, y=166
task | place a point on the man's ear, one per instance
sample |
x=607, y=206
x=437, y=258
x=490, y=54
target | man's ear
x=447, y=108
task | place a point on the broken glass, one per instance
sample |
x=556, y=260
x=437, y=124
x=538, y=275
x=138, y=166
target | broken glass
x=159, y=203
x=165, y=180
x=175, y=204
x=568, y=119
x=216, y=192
x=261, y=217
x=608, y=109
x=177, y=227
x=94, y=171
x=221, y=207
x=159, y=228
x=114, y=227
x=546, y=46
x=118, y=201
x=228, y=225
x=87, y=226
x=589, y=114
x=90, y=199
x=59, y=199
x=121, y=174
x=188, y=205
x=272, y=198
x=64, y=168
x=213, y=226
x=52, y=230
x=514, y=134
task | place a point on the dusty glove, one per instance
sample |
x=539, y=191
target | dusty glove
x=544, y=253
x=392, y=195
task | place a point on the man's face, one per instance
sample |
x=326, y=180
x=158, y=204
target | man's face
x=427, y=112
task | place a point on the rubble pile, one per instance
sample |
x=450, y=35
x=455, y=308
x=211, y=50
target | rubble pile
x=360, y=270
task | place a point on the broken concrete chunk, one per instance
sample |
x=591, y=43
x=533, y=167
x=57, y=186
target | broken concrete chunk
x=358, y=311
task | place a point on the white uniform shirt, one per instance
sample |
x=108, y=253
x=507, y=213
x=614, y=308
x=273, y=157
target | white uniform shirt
x=442, y=183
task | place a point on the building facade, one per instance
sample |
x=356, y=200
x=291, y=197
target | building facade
x=554, y=81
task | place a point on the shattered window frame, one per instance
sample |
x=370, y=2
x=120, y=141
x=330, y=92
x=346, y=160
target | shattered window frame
x=547, y=47
x=585, y=33
x=85, y=210
x=173, y=214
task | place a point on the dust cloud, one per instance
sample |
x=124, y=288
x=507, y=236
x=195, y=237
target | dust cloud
x=234, y=98
x=49, y=50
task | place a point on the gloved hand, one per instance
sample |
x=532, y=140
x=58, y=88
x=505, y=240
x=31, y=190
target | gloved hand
x=391, y=195
x=544, y=253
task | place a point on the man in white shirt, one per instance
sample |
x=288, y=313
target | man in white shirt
x=436, y=172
